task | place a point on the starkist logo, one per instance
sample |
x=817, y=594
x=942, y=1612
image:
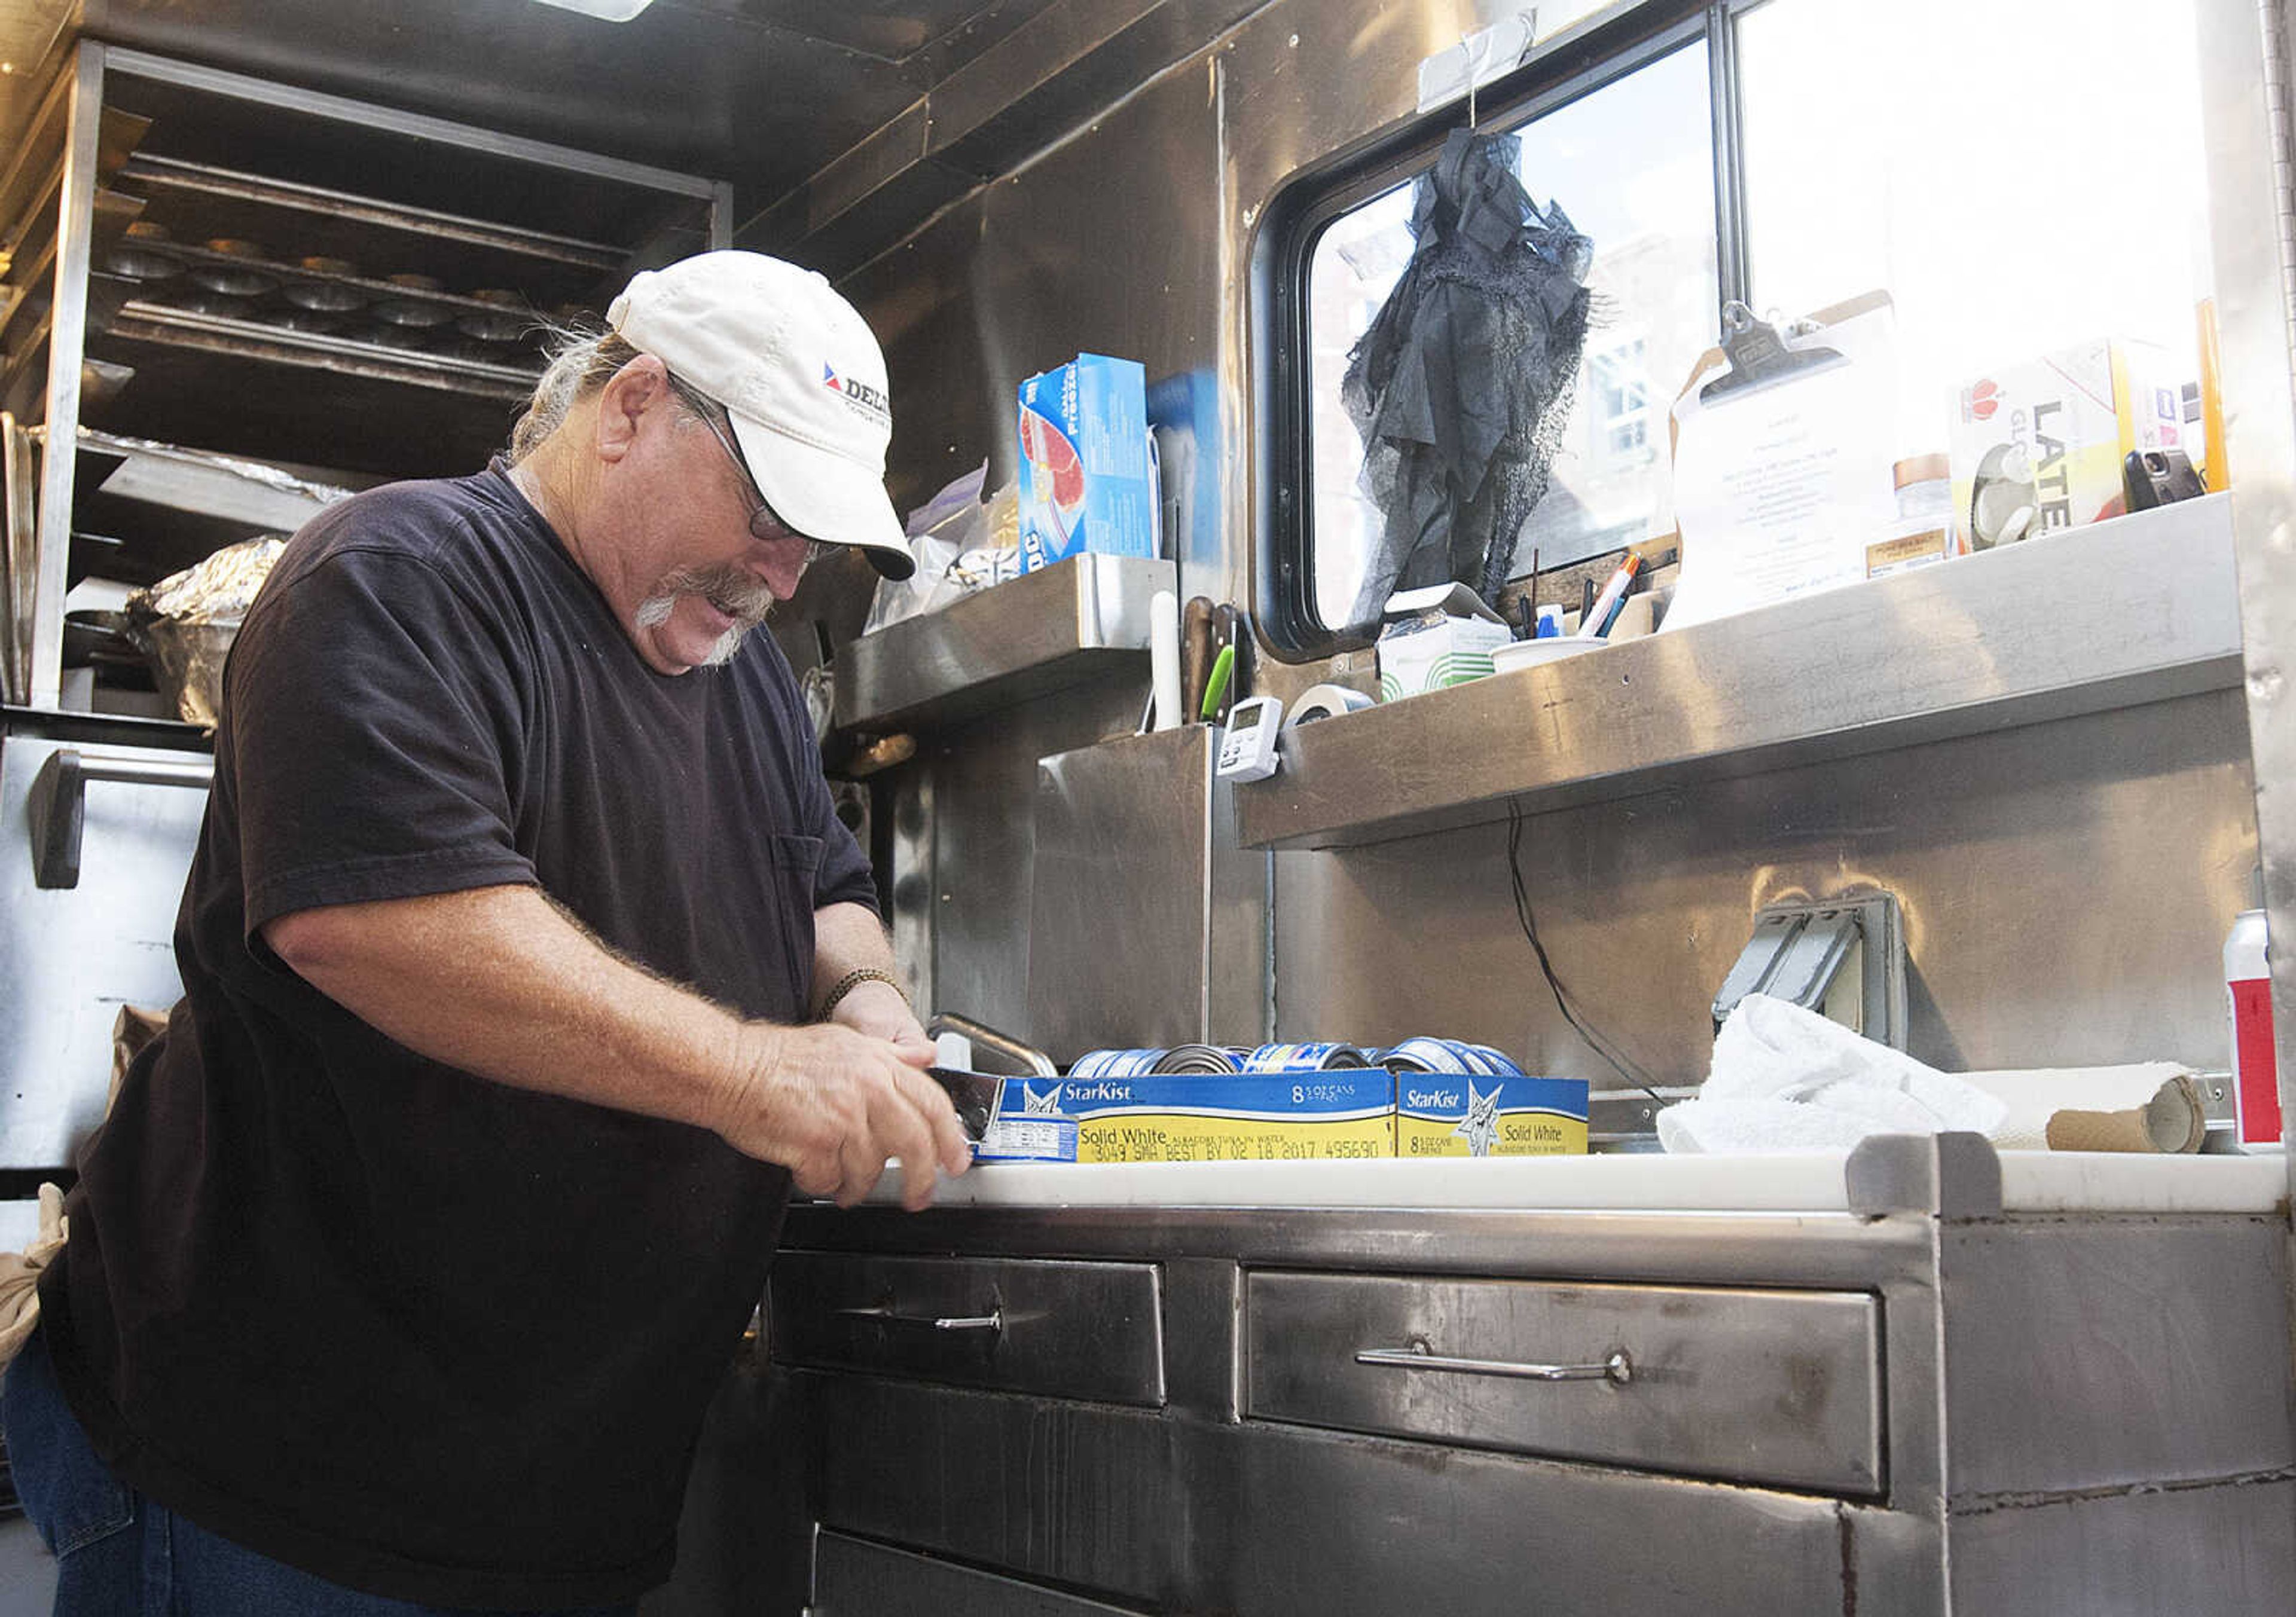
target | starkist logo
x=870, y=401
x=1099, y=1091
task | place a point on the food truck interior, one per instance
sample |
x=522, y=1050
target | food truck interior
x=1860, y=437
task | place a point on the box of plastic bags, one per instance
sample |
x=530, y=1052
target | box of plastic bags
x=1087, y=469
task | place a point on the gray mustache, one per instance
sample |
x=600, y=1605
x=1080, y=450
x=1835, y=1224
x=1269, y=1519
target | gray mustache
x=732, y=590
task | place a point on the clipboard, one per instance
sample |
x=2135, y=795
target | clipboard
x=1754, y=354
x=1788, y=475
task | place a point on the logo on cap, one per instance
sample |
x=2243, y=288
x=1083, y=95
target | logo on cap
x=869, y=401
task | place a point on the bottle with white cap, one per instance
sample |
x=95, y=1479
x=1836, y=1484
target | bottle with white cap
x=2255, y=1072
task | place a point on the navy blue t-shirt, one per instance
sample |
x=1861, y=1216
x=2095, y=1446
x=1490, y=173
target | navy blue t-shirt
x=419, y=1333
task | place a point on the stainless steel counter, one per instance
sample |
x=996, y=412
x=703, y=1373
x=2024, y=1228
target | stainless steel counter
x=1957, y=1384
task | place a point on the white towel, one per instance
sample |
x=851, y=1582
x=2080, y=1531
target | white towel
x=1786, y=1079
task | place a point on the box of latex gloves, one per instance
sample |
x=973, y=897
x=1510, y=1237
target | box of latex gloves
x=1457, y=1100
x=1087, y=462
x=1167, y=1117
x=1431, y=638
x=2042, y=445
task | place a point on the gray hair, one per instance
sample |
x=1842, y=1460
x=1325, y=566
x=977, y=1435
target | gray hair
x=582, y=361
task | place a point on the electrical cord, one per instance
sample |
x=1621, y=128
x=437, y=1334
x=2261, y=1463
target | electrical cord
x=1618, y=1058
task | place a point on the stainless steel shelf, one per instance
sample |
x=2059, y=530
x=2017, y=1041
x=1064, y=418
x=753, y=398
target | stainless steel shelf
x=1034, y=634
x=2139, y=609
x=207, y=180
x=230, y=489
x=142, y=322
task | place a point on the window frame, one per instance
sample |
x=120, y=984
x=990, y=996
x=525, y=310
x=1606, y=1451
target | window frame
x=1575, y=63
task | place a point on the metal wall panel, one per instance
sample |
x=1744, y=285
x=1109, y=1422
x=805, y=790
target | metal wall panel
x=978, y=889
x=2245, y=62
x=2067, y=884
x=2065, y=887
x=1104, y=244
x=1122, y=870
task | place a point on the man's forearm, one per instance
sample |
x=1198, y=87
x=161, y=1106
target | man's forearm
x=498, y=981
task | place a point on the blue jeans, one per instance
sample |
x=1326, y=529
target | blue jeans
x=121, y=1554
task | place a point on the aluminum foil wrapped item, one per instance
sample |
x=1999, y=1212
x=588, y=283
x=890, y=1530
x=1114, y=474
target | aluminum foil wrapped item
x=188, y=620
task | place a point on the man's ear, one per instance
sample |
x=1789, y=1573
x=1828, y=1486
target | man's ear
x=633, y=392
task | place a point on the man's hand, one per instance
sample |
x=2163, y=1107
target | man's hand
x=831, y=1104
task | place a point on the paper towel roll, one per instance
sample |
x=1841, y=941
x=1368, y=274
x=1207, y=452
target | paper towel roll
x=1324, y=702
x=1164, y=659
x=2152, y=1106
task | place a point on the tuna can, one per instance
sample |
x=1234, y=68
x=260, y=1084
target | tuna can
x=2255, y=1073
x=1116, y=1062
x=1198, y=1061
x=1425, y=1055
x=1304, y=1058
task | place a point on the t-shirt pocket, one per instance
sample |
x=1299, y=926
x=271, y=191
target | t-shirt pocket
x=796, y=865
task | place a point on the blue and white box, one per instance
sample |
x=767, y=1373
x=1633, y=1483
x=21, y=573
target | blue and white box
x=1087, y=480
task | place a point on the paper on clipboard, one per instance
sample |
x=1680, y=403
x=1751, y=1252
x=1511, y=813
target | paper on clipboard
x=1779, y=488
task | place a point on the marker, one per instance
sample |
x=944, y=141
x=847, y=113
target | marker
x=1606, y=606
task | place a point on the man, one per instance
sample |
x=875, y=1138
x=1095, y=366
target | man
x=402, y=1272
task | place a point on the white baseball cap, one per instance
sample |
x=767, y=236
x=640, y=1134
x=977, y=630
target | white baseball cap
x=799, y=373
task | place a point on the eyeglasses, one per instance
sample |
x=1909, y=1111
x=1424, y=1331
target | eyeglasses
x=764, y=523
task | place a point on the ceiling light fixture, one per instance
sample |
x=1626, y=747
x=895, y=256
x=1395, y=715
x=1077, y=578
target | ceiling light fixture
x=610, y=10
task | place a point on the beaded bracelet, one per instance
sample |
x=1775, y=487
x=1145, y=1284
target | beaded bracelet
x=852, y=980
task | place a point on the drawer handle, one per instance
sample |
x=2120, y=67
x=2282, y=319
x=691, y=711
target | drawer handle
x=994, y=1320
x=57, y=808
x=1618, y=1369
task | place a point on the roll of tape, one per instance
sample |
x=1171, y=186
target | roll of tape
x=1323, y=702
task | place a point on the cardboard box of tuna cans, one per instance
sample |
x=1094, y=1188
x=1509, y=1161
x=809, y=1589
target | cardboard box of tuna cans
x=1453, y=1099
x=1166, y=1117
x=1470, y=1115
x=1087, y=481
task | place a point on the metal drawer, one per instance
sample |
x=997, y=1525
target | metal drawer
x=1062, y=1330
x=1764, y=1386
x=855, y=1578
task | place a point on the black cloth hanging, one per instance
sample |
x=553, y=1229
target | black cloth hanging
x=1463, y=385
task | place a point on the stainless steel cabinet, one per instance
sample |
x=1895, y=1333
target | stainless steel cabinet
x=854, y=1577
x=70, y=956
x=1925, y=1398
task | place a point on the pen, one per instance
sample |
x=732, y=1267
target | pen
x=1606, y=605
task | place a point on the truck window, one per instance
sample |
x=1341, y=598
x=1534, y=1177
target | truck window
x=1632, y=163
x=2045, y=190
